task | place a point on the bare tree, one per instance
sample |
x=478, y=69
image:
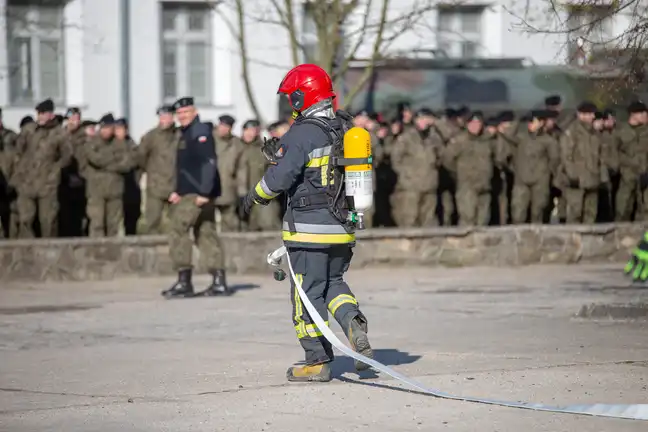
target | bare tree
x=342, y=31
x=614, y=60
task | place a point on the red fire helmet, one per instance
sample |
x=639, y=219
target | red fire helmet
x=305, y=85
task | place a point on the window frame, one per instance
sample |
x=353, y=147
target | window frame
x=31, y=31
x=450, y=42
x=183, y=37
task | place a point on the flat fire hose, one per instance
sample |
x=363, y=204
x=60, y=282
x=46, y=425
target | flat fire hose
x=632, y=412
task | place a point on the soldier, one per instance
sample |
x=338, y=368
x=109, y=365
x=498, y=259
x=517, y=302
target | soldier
x=71, y=191
x=611, y=144
x=405, y=115
x=278, y=129
x=262, y=218
x=632, y=151
x=233, y=175
x=132, y=198
x=583, y=166
x=557, y=208
x=371, y=125
x=108, y=159
x=192, y=205
x=504, y=177
x=448, y=128
x=534, y=154
x=89, y=128
x=471, y=156
x=7, y=191
x=42, y=151
x=361, y=118
x=156, y=156
x=415, y=159
x=563, y=118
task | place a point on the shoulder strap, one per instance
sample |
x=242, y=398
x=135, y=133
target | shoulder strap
x=334, y=134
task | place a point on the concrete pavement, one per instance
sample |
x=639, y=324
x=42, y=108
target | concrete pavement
x=115, y=356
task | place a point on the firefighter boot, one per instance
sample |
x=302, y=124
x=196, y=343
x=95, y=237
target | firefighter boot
x=357, y=334
x=218, y=285
x=182, y=288
x=309, y=373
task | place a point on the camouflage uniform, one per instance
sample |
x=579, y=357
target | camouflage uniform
x=447, y=181
x=471, y=158
x=631, y=146
x=504, y=180
x=534, y=154
x=108, y=161
x=132, y=197
x=42, y=151
x=156, y=155
x=610, y=155
x=415, y=159
x=72, y=189
x=254, y=164
x=8, y=219
x=233, y=177
x=585, y=171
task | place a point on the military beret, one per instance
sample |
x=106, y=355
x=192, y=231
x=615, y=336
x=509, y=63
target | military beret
x=598, y=115
x=26, y=120
x=165, y=109
x=383, y=124
x=72, y=111
x=183, y=102
x=636, y=107
x=552, y=114
x=553, y=100
x=86, y=123
x=425, y=111
x=538, y=114
x=492, y=121
x=506, y=116
x=374, y=116
x=107, y=120
x=363, y=113
x=402, y=106
x=464, y=111
x=476, y=116
x=526, y=118
x=586, y=107
x=59, y=118
x=608, y=113
x=450, y=113
x=121, y=122
x=46, y=106
x=251, y=124
x=227, y=120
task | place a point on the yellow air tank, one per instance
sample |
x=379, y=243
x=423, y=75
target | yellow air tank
x=359, y=178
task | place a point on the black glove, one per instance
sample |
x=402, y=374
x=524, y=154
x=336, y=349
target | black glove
x=270, y=148
x=643, y=181
x=574, y=183
x=246, y=203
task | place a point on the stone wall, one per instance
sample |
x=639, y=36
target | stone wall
x=93, y=259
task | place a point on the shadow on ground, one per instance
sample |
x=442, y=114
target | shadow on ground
x=243, y=287
x=388, y=357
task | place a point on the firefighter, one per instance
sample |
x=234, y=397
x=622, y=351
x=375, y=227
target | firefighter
x=316, y=231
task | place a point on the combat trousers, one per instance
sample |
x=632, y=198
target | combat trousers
x=265, y=218
x=642, y=205
x=473, y=206
x=46, y=207
x=582, y=205
x=230, y=221
x=320, y=272
x=187, y=218
x=155, y=212
x=534, y=197
x=414, y=209
x=625, y=200
x=106, y=216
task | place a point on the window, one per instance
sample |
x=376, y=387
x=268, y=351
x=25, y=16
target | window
x=35, y=51
x=589, y=29
x=459, y=31
x=186, y=52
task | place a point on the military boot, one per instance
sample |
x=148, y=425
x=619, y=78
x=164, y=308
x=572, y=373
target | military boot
x=357, y=334
x=309, y=373
x=218, y=286
x=182, y=288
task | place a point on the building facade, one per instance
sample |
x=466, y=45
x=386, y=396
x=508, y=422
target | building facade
x=129, y=56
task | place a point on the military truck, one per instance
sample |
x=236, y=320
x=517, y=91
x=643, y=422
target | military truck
x=489, y=85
